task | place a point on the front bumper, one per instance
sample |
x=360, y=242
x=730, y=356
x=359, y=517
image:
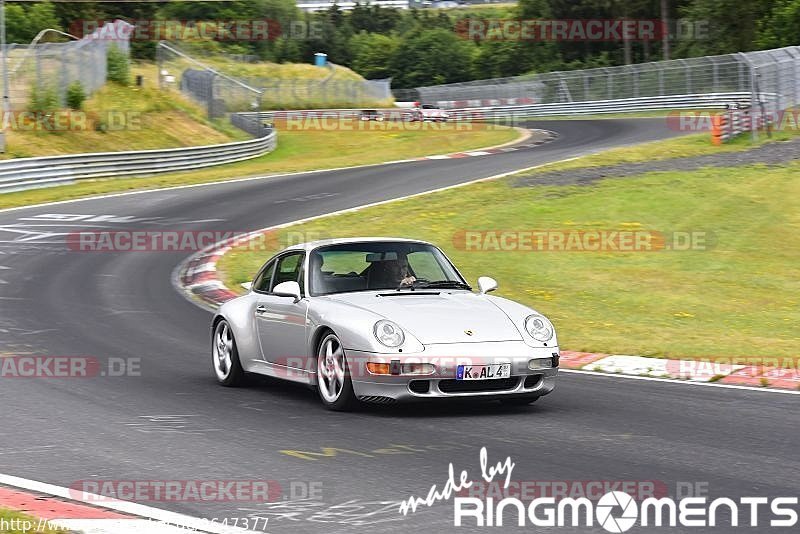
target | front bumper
x=442, y=382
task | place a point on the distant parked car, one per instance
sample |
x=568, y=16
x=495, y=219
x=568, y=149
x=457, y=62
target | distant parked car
x=428, y=113
x=371, y=115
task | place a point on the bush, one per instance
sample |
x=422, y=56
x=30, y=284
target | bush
x=44, y=98
x=75, y=95
x=118, y=68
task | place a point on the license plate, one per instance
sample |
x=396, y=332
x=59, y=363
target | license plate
x=483, y=372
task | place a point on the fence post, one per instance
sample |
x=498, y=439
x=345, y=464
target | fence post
x=62, y=93
x=754, y=98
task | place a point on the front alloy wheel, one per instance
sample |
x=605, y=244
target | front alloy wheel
x=333, y=378
x=224, y=356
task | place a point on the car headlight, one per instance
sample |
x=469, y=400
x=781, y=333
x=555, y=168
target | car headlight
x=389, y=334
x=539, y=328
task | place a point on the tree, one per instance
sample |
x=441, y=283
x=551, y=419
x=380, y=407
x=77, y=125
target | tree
x=432, y=57
x=781, y=27
x=729, y=26
x=23, y=23
x=372, y=54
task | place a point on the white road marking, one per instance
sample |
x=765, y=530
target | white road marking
x=262, y=177
x=680, y=382
x=125, y=507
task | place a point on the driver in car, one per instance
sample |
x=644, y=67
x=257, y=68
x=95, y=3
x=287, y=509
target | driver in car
x=407, y=279
x=392, y=273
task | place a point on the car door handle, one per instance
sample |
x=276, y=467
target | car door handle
x=260, y=309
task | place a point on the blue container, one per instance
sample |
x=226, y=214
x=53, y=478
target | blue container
x=320, y=59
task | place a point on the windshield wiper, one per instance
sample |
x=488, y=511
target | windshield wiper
x=446, y=284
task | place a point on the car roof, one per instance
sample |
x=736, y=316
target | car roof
x=311, y=245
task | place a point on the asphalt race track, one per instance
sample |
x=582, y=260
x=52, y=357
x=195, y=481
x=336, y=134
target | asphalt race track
x=174, y=423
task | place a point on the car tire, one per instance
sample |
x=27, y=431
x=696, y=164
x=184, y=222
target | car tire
x=334, y=384
x=225, y=356
x=519, y=401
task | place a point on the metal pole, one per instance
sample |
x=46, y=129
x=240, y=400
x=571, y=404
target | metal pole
x=754, y=96
x=6, y=103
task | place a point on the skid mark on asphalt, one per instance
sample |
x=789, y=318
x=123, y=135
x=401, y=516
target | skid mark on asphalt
x=168, y=424
x=354, y=512
x=306, y=198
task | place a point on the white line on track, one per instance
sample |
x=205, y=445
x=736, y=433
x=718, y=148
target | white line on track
x=270, y=177
x=680, y=382
x=125, y=507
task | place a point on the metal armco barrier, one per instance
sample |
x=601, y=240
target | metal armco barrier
x=597, y=107
x=29, y=173
x=734, y=122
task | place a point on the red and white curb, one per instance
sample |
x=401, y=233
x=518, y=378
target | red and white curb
x=721, y=371
x=59, y=508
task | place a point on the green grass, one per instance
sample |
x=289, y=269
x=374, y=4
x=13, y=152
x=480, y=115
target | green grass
x=24, y=524
x=152, y=119
x=738, y=297
x=297, y=151
x=285, y=85
x=678, y=147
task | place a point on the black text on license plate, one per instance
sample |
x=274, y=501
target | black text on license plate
x=483, y=372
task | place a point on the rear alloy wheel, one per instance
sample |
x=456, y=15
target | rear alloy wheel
x=225, y=356
x=519, y=401
x=333, y=377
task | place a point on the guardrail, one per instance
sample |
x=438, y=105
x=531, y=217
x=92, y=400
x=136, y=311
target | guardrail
x=29, y=173
x=597, y=107
x=627, y=105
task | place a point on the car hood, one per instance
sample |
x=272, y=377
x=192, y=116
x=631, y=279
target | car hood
x=443, y=317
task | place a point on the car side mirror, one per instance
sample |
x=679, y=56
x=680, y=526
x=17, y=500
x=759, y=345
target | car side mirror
x=287, y=289
x=486, y=284
x=247, y=285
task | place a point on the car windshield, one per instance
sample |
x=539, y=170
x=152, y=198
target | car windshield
x=379, y=265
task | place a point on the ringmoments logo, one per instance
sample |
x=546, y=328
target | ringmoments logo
x=615, y=511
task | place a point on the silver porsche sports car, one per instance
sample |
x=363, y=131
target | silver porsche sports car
x=382, y=320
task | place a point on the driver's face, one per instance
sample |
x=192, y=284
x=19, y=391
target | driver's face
x=402, y=265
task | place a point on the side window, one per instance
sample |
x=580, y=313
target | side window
x=289, y=268
x=264, y=278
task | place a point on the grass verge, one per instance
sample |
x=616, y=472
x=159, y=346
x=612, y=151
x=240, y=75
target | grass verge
x=297, y=151
x=119, y=118
x=736, y=294
x=21, y=523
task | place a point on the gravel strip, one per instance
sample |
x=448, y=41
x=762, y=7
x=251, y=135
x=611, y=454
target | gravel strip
x=769, y=154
